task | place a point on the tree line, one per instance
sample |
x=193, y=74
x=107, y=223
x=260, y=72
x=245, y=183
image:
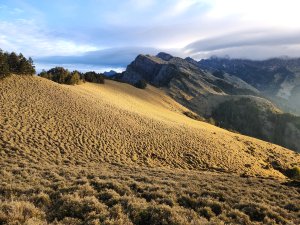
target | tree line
x=12, y=63
x=63, y=76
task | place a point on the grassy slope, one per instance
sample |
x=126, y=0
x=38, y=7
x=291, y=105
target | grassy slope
x=118, y=123
x=53, y=135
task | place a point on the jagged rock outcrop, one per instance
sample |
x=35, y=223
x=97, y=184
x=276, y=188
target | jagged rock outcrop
x=163, y=69
x=164, y=56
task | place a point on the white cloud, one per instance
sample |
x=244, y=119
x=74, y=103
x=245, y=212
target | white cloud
x=277, y=13
x=32, y=39
x=218, y=26
x=252, y=52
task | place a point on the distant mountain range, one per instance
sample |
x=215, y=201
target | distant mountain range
x=109, y=73
x=251, y=97
x=276, y=79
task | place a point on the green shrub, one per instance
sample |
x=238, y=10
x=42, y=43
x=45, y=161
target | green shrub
x=62, y=76
x=93, y=77
x=73, y=78
x=141, y=84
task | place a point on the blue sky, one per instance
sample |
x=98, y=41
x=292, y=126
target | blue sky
x=102, y=34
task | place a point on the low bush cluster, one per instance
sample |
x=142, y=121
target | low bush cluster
x=63, y=76
x=141, y=84
x=93, y=77
x=113, y=195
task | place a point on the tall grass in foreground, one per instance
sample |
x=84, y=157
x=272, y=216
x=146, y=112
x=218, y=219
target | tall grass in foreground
x=38, y=194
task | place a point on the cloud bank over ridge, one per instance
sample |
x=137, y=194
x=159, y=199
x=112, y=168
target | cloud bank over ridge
x=112, y=34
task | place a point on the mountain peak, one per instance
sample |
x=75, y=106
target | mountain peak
x=110, y=73
x=192, y=61
x=164, y=56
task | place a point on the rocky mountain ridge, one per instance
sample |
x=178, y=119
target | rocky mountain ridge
x=206, y=88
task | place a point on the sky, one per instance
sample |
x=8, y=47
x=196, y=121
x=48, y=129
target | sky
x=109, y=34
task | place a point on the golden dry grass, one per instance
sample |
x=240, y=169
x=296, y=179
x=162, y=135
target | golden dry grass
x=115, y=154
x=117, y=123
x=113, y=194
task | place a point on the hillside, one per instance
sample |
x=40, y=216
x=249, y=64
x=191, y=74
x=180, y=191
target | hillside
x=69, y=152
x=79, y=124
x=207, y=86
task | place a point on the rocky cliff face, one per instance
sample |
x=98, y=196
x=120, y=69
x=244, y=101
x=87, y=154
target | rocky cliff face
x=163, y=69
x=186, y=82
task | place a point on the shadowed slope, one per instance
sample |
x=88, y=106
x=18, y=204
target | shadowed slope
x=43, y=122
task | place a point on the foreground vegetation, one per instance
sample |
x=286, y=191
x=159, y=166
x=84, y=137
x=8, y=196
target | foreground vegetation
x=116, y=194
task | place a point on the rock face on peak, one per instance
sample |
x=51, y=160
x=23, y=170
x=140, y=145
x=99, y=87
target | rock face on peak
x=216, y=91
x=152, y=69
x=171, y=72
x=164, y=70
x=164, y=56
x=192, y=61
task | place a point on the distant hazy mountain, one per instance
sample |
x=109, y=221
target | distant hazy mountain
x=277, y=79
x=238, y=94
x=110, y=73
